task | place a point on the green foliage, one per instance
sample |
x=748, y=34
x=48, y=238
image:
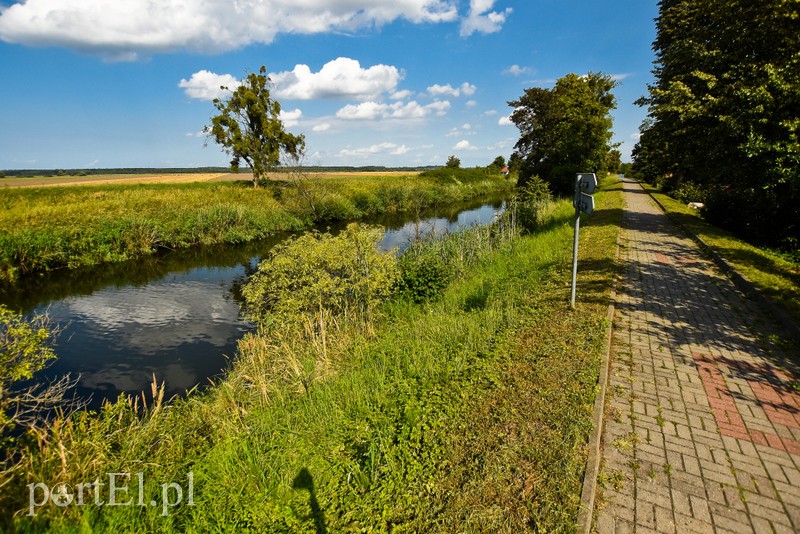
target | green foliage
x=25, y=347
x=315, y=272
x=565, y=130
x=249, y=127
x=453, y=163
x=47, y=228
x=470, y=413
x=532, y=202
x=723, y=111
x=423, y=274
x=689, y=192
x=457, y=175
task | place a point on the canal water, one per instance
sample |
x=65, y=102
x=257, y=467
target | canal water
x=176, y=315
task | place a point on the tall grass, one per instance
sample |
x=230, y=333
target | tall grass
x=467, y=412
x=55, y=227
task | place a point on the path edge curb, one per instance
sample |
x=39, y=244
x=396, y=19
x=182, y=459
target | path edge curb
x=589, y=489
x=743, y=284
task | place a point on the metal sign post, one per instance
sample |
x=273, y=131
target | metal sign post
x=585, y=184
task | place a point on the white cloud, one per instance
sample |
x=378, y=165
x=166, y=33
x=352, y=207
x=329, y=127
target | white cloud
x=291, y=118
x=401, y=95
x=516, y=70
x=341, y=78
x=505, y=121
x=620, y=77
x=471, y=103
x=390, y=148
x=205, y=85
x=636, y=136
x=126, y=30
x=465, y=89
x=398, y=110
x=481, y=19
x=464, y=145
x=322, y=127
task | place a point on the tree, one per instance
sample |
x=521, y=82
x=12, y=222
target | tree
x=723, y=111
x=498, y=163
x=249, y=127
x=453, y=163
x=564, y=130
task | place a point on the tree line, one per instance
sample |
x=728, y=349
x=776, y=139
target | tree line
x=723, y=120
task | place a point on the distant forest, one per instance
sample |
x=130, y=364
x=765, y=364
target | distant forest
x=24, y=173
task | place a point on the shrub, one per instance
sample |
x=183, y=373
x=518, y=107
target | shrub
x=532, y=202
x=423, y=274
x=689, y=192
x=319, y=272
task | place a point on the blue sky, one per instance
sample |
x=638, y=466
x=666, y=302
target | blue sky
x=107, y=83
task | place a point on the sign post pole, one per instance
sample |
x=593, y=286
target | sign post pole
x=585, y=184
x=575, y=241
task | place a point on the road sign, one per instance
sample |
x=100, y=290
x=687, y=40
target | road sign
x=588, y=182
x=585, y=203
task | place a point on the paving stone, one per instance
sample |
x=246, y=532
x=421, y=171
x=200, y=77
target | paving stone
x=709, y=402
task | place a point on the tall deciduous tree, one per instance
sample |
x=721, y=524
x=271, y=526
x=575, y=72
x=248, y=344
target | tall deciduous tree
x=724, y=111
x=249, y=127
x=565, y=130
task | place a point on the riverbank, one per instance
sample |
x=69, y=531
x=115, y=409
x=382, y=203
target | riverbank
x=469, y=411
x=47, y=228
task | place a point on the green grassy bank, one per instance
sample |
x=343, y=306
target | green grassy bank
x=470, y=411
x=45, y=228
x=773, y=274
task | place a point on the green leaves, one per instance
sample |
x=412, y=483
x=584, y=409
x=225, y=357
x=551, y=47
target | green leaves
x=565, y=130
x=249, y=127
x=723, y=112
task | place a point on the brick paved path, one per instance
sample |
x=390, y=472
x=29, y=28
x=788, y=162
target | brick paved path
x=703, y=424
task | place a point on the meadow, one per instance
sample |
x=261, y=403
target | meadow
x=54, y=227
x=460, y=399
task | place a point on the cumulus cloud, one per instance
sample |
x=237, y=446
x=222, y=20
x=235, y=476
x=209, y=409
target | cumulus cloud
x=481, y=19
x=465, y=89
x=341, y=78
x=205, y=85
x=399, y=110
x=505, y=121
x=387, y=148
x=322, y=127
x=290, y=118
x=464, y=145
x=126, y=30
x=401, y=95
x=516, y=70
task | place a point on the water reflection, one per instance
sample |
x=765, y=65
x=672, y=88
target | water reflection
x=176, y=315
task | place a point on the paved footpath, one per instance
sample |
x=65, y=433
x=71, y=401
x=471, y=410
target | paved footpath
x=702, y=429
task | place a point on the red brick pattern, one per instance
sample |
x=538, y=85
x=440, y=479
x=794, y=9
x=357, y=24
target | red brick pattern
x=781, y=407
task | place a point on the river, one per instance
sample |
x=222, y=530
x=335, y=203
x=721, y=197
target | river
x=176, y=315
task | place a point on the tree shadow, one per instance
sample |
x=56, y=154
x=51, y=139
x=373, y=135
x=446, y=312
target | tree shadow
x=304, y=481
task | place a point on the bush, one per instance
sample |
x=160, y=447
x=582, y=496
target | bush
x=423, y=275
x=689, y=192
x=532, y=202
x=318, y=272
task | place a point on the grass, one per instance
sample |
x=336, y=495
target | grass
x=772, y=274
x=470, y=412
x=45, y=228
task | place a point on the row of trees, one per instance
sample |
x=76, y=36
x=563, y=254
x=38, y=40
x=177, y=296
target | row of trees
x=565, y=130
x=724, y=112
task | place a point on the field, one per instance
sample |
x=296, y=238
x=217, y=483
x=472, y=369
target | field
x=171, y=178
x=65, y=226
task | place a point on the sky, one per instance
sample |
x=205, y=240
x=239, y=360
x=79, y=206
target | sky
x=110, y=83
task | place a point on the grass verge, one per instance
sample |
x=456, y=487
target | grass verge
x=45, y=228
x=471, y=412
x=770, y=273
